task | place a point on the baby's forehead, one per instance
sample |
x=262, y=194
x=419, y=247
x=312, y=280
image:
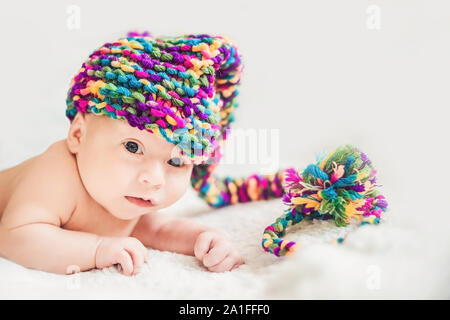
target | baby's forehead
x=115, y=127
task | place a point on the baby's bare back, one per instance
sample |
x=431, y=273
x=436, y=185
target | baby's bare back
x=36, y=188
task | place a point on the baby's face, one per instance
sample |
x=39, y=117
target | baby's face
x=116, y=160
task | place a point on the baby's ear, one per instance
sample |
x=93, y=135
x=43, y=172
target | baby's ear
x=77, y=131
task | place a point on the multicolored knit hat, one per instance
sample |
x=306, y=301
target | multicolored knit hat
x=183, y=89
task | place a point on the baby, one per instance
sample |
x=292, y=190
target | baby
x=92, y=199
x=138, y=106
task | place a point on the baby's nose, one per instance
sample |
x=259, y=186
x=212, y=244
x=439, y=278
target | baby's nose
x=152, y=177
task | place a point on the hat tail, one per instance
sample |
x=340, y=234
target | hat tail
x=224, y=191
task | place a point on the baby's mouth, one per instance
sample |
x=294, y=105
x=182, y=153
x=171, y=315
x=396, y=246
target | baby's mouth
x=139, y=201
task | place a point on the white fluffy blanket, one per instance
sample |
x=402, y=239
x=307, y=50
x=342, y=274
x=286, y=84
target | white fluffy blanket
x=391, y=260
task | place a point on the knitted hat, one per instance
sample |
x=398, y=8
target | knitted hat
x=183, y=89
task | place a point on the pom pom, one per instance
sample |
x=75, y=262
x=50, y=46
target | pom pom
x=340, y=186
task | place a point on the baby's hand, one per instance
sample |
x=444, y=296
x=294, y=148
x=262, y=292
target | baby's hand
x=216, y=252
x=129, y=252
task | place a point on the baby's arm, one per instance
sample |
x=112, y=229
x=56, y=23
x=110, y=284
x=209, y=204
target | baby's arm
x=209, y=245
x=48, y=247
x=45, y=246
x=165, y=233
x=31, y=235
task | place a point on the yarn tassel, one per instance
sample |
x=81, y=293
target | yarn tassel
x=339, y=187
x=224, y=191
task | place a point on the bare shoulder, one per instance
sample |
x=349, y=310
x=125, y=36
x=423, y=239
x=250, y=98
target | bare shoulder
x=46, y=191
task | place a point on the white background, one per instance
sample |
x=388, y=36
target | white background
x=314, y=70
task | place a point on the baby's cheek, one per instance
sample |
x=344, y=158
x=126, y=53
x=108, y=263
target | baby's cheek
x=109, y=181
x=176, y=187
x=111, y=176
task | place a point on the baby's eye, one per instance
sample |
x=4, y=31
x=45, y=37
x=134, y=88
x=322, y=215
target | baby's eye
x=176, y=162
x=131, y=146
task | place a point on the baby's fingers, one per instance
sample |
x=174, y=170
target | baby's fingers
x=225, y=265
x=202, y=245
x=145, y=254
x=138, y=259
x=138, y=253
x=125, y=261
x=238, y=263
x=216, y=254
x=232, y=261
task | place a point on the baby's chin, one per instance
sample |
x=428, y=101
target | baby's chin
x=127, y=215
